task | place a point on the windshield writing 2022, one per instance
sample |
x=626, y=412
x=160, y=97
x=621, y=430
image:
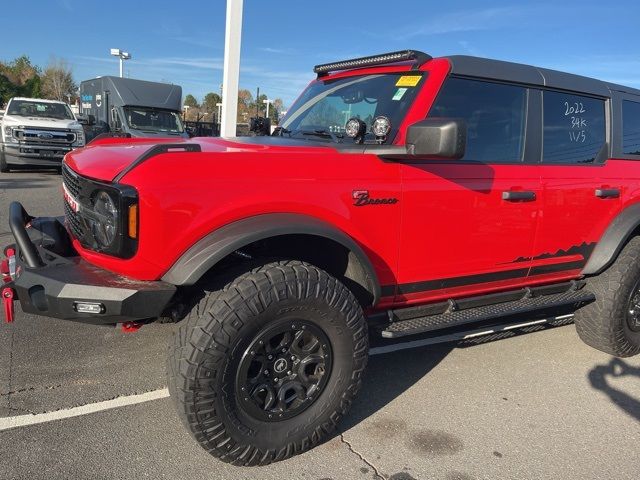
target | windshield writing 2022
x=575, y=110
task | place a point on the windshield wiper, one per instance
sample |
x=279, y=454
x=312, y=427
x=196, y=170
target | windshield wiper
x=325, y=133
x=281, y=131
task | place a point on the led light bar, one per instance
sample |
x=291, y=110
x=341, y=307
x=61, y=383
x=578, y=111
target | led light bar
x=393, y=57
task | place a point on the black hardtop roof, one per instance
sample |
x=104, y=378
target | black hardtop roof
x=141, y=93
x=516, y=72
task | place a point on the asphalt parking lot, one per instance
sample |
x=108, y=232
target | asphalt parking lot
x=532, y=406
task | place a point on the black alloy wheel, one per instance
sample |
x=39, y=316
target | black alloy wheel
x=284, y=370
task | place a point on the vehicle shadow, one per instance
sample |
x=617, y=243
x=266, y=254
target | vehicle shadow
x=388, y=376
x=598, y=376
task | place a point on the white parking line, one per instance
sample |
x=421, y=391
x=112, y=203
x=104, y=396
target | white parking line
x=7, y=423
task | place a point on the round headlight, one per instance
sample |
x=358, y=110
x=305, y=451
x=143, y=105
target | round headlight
x=104, y=230
x=355, y=128
x=381, y=126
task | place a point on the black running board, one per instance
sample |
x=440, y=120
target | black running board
x=570, y=300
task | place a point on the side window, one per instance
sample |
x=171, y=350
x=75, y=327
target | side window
x=574, y=128
x=495, y=115
x=631, y=128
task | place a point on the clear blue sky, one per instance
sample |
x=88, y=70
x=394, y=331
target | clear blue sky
x=183, y=42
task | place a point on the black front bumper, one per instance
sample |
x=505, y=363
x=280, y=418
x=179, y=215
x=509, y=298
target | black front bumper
x=52, y=280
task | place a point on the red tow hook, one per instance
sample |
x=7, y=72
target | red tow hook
x=130, y=327
x=7, y=293
x=7, y=303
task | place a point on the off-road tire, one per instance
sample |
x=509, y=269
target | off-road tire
x=206, y=349
x=603, y=324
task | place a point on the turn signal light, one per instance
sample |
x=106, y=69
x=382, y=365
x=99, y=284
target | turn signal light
x=133, y=221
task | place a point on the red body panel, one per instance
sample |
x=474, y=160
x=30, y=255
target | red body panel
x=451, y=234
x=178, y=207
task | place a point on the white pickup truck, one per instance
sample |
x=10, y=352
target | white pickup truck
x=37, y=132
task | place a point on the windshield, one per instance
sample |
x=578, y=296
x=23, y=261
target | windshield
x=151, y=120
x=31, y=108
x=326, y=106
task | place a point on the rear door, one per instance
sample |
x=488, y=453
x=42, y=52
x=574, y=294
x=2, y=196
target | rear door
x=468, y=226
x=580, y=197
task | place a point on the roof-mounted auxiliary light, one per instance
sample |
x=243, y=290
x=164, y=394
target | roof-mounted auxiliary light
x=381, y=127
x=355, y=128
x=393, y=57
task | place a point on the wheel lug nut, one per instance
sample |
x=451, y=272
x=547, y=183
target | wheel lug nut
x=293, y=358
x=270, y=357
x=275, y=380
x=284, y=350
x=266, y=372
x=289, y=372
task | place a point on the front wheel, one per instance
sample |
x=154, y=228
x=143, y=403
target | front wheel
x=264, y=367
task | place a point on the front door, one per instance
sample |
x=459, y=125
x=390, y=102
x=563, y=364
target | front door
x=468, y=226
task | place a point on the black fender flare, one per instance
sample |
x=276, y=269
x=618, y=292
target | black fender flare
x=614, y=238
x=215, y=246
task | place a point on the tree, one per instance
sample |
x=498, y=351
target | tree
x=7, y=90
x=57, y=81
x=209, y=102
x=274, y=112
x=20, y=70
x=190, y=101
x=245, y=104
x=19, y=78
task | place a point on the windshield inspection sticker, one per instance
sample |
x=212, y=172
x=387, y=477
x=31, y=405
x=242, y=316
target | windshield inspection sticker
x=399, y=94
x=408, y=81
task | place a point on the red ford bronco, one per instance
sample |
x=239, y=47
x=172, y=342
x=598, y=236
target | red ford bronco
x=402, y=194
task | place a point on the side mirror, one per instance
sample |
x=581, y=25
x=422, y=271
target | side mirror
x=439, y=138
x=91, y=120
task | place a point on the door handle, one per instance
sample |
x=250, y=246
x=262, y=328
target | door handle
x=514, y=196
x=607, y=192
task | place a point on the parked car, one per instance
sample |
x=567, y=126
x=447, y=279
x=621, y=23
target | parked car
x=37, y=132
x=401, y=195
x=131, y=107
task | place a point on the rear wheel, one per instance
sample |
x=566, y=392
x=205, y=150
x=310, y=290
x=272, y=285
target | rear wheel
x=612, y=323
x=264, y=367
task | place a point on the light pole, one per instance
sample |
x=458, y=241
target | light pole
x=116, y=52
x=267, y=101
x=231, y=72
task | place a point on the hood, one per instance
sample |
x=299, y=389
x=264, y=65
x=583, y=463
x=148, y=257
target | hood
x=104, y=159
x=39, y=122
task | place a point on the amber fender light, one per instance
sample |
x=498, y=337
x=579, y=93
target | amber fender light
x=133, y=221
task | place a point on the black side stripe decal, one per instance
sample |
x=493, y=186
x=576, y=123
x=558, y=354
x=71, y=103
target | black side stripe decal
x=428, y=285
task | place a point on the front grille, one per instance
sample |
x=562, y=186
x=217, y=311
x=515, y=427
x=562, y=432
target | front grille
x=71, y=181
x=73, y=186
x=74, y=223
x=45, y=137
